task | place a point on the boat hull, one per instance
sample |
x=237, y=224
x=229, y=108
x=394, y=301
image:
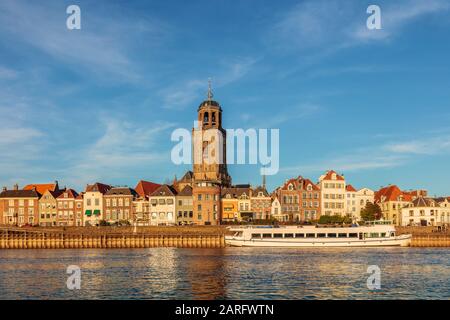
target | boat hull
x=398, y=241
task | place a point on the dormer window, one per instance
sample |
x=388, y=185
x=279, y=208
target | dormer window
x=333, y=176
x=290, y=187
x=309, y=187
x=260, y=194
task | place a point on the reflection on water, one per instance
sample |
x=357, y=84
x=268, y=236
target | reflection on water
x=229, y=273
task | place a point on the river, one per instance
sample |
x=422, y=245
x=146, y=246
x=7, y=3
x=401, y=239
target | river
x=228, y=273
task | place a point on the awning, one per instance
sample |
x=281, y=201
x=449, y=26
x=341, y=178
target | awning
x=97, y=212
x=88, y=213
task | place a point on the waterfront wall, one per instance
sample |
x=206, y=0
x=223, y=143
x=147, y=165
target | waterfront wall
x=17, y=238
x=53, y=240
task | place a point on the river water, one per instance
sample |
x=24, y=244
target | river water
x=228, y=273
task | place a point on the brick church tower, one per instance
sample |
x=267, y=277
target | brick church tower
x=210, y=168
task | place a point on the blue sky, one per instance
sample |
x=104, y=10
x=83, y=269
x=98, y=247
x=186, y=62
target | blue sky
x=100, y=103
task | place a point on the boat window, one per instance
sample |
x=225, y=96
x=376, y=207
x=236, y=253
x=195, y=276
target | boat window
x=321, y=235
x=383, y=234
x=278, y=235
x=288, y=235
x=310, y=235
x=392, y=234
x=342, y=235
x=256, y=235
x=267, y=235
x=331, y=235
x=353, y=235
x=299, y=235
x=374, y=235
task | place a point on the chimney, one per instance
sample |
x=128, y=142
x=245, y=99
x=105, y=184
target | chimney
x=16, y=187
x=4, y=189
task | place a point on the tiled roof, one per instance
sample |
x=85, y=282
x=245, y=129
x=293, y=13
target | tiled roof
x=71, y=194
x=164, y=190
x=391, y=193
x=188, y=176
x=19, y=194
x=41, y=188
x=259, y=189
x=236, y=192
x=350, y=188
x=187, y=191
x=423, y=202
x=329, y=175
x=146, y=188
x=98, y=187
x=121, y=191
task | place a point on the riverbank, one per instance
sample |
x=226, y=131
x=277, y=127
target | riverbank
x=156, y=236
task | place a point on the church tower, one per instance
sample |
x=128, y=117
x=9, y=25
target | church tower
x=205, y=136
x=210, y=172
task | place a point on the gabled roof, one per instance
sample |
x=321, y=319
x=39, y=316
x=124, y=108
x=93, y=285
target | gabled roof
x=71, y=194
x=391, y=193
x=259, y=189
x=423, y=202
x=307, y=182
x=236, y=192
x=329, y=175
x=125, y=191
x=98, y=187
x=42, y=187
x=188, y=177
x=187, y=191
x=146, y=188
x=350, y=188
x=164, y=190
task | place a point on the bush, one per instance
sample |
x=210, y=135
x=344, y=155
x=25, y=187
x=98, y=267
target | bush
x=334, y=219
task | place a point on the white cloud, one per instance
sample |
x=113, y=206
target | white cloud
x=7, y=73
x=122, y=145
x=334, y=25
x=100, y=47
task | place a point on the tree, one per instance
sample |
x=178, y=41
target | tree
x=371, y=212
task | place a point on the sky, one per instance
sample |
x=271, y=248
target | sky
x=100, y=103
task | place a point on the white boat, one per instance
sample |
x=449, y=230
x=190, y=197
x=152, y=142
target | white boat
x=376, y=234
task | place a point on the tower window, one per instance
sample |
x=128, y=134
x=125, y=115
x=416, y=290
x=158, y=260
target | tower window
x=213, y=117
x=206, y=117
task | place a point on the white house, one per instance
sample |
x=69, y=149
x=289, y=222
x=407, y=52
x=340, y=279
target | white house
x=421, y=212
x=444, y=204
x=93, y=204
x=275, y=211
x=162, y=206
x=333, y=194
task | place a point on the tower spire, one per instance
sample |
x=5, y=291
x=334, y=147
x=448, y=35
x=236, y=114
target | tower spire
x=210, y=94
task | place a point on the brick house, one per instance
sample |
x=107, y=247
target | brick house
x=19, y=207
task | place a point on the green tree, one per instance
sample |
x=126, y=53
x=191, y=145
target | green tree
x=371, y=212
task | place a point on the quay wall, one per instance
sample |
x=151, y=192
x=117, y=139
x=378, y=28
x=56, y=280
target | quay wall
x=150, y=237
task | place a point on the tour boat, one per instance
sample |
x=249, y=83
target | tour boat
x=376, y=234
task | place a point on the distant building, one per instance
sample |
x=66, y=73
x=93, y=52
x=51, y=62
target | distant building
x=300, y=199
x=261, y=203
x=118, y=204
x=93, y=203
x=185, y=206
x=67, y=214
x=333, y=194
x=444, y=204
x=48, y=212
x=162, y=206
x=421, y=212
x=19, y=207
x=141, y=205
x=356, y=200
x=391, y=201
x=276, y=212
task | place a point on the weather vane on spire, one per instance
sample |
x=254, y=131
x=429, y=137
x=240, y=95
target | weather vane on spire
x=210, y=94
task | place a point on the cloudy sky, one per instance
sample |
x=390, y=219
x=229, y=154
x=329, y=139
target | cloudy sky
x=100, y=103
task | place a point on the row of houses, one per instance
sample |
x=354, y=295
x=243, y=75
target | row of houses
x=297, y=200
